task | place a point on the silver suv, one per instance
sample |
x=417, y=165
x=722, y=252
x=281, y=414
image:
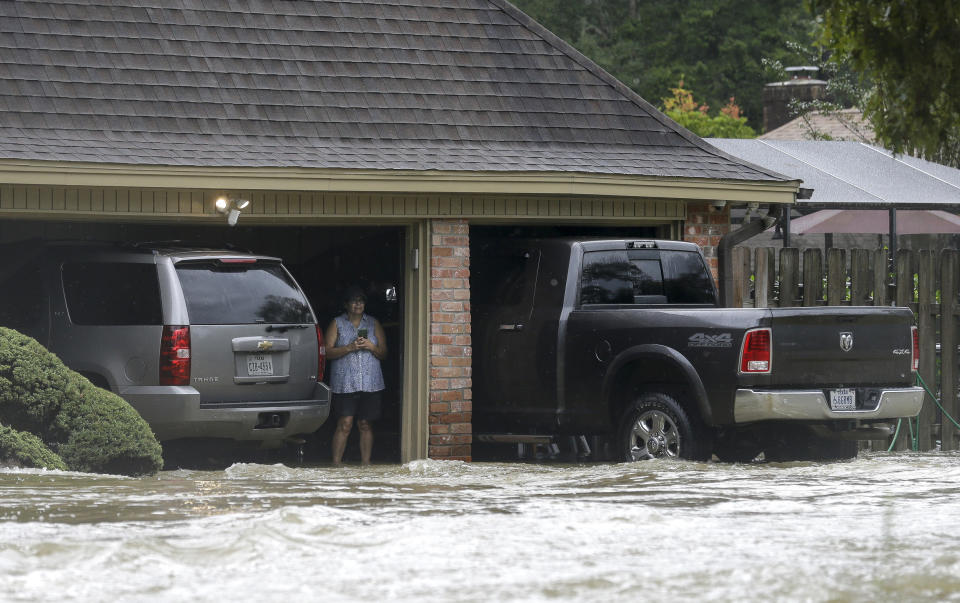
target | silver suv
x=203, y=343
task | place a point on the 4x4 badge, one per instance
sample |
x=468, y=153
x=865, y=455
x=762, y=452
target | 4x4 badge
x=264, y=345
x=846, y=341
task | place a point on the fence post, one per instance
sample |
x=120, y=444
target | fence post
x=881, y=277
x=812, y=277
x=861, y=281
x=789, y=276
x=949, y=319
x=926, y=286
x=904, y=297
x=765, y=275
x=904, y=293
x=836, y=277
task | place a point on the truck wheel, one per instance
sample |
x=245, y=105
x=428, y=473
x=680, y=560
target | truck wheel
x=655, y=426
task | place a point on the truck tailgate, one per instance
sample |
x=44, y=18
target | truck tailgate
x=836, y=346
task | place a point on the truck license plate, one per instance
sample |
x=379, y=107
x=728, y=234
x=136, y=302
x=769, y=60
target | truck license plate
x=843, y=399
x=259, y=365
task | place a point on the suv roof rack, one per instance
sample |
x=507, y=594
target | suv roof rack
x=182, y=244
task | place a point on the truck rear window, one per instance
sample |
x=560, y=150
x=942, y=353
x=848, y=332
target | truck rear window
x=221, y=294
x=645, y=277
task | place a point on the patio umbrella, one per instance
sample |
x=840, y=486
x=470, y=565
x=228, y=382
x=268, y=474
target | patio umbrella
x=875, y=221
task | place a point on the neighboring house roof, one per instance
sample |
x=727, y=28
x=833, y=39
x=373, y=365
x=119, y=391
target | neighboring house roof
x=853, y=175
x=843, y=124
x=472, y=85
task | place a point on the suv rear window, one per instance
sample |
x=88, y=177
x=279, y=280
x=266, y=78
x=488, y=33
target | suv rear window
x=223, y=294
x=112, y=293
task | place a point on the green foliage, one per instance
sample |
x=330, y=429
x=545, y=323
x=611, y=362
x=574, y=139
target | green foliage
x=908, y=50
x=92, y=429
x=33, y=383
x=101, y=433
x=716, y=46
x=688, y=113
x=22, y=449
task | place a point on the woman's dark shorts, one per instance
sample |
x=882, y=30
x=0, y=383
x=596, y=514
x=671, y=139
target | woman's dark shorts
x=361, y=405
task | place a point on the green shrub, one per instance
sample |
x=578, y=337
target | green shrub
x=33, y=384
x=92, y=429
x=22, y=449
x=101, y=433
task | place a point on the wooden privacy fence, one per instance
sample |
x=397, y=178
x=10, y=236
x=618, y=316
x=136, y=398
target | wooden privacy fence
x=925, y=281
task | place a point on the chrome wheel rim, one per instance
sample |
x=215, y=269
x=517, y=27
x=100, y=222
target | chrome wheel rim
x=654, y=435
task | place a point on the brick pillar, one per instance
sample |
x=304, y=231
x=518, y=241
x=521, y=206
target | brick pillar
x=451, y=401
x=705, y=226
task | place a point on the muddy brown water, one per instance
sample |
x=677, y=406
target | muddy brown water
x=885, y=527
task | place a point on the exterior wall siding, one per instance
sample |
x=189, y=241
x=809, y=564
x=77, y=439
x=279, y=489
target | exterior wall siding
x=123, y=203
x=451, y=377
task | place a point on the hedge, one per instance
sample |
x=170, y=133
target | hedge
x=88, y=428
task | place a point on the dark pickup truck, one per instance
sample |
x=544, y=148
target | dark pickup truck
x=623, y=342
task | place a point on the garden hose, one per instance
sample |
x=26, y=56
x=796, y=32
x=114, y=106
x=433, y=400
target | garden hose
x=914, y=439
x=895, y=434
x=937, y=402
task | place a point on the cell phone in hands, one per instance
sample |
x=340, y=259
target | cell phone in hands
x=362, y=333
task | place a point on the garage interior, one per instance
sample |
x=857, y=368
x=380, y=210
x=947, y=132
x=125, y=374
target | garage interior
x=324, y=260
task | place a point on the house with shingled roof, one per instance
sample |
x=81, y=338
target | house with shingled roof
x=370, y=138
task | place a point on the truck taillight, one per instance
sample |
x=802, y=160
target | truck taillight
x=175, y=355
x=915, y=359
x=755, y=355
x=321, y=354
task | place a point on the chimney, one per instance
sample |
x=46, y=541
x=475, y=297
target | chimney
x=802, y=85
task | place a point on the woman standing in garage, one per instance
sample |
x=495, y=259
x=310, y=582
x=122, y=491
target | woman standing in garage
x=355, y=346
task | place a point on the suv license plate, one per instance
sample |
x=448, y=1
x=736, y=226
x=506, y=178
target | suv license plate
x=843, y=399
x=259, y=365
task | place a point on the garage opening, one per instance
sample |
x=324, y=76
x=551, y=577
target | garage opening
x=323, y=259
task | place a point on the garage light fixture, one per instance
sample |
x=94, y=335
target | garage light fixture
x=231, y=207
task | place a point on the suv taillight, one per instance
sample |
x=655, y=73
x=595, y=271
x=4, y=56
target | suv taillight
x=915, y=359
x=321, y=354
x=755, y=355
x=175, y=355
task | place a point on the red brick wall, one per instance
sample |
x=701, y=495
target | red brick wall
x=451, y=403
x=705, y=226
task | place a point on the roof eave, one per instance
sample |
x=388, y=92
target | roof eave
x=55, y=173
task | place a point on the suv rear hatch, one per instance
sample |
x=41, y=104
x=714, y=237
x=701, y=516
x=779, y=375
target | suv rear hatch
x=842, y=347
x=253, y=336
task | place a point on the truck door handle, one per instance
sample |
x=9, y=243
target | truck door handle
x=513, y=327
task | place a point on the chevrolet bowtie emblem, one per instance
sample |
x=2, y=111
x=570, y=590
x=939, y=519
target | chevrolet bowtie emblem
x=264, y=345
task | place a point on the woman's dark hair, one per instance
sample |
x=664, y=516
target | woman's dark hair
x=353, y=292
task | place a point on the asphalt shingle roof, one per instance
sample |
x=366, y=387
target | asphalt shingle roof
x=469, y=85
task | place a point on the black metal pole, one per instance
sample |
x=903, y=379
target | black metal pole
x=786, y=227
x=893, y=234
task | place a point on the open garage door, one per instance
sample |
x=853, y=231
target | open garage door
x=323, y=259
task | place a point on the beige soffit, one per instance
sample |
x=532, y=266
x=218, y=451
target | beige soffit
x=544, y=183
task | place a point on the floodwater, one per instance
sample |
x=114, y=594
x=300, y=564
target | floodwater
x=885, y=527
